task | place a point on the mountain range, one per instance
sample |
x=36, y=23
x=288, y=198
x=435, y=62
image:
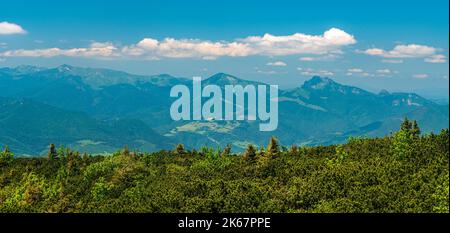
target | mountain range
x=101, y=110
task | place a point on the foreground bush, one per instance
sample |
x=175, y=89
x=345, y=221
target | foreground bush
x=404, y=172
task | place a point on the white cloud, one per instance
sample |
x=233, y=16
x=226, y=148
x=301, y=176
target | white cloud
x=266, y=72
x=186, y=48
x=355, y=70
x=329, y=43
x=327, y=57
x=277, y=63
x=392, y=61
x=384, y=71
x=96, y=49
x=313, y=72
x=10, y=28
x=403, y=51
x=307, y=59
x=407, y=51
x=436, y=59
x=420, y=76
x=366, y=74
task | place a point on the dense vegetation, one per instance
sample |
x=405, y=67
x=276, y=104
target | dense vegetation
x=402, y=172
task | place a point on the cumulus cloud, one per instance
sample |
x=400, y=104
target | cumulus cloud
x=266, y=72
x=307, y=59
x=436, y=59
x=355, y=70
x=186, y=48
x=7, y=28
x=277, y=63
x=403, y=51
x=313, y=72
x=360, y=72
x=384, y=71
x=407, y=51
x=96, y=49
x=420, y=76
x=330, y=42
x=327, y=57
x=366, y=74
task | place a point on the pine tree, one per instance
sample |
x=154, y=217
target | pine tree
x=179, y=149
x=293, y=150
x=250, y=153
x=415, y=131
x=126, y=151
x=273, y=148
x=52, y=153
x=406, y=125
x=226, y=151
x=261, y=152
x=6, y=156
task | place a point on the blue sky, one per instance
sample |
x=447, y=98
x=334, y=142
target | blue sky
x=398, y=46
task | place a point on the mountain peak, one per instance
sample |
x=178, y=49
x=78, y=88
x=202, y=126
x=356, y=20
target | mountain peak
x=384, y=92
x=65, y=67
x=318, y=79
x=227, y=79
x=222, y=78
x=317, y=82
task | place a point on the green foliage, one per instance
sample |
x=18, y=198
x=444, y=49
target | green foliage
x=52, y=154
x=340, y=156
x=226, y=151
x=250, y=153
x=404, y=172
x=273, y=148
x=179, y=149
x=403, y=140
x=6, y=157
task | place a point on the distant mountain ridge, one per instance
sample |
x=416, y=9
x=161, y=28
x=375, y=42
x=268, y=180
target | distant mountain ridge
x=321, y=111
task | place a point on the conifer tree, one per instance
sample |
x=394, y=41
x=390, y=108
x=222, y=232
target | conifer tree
x=226, y=151
x=406, y=125
x=250, y=152
x=294, y=149
x=273, y=148
x=6, y=156
x=52, y=153
x=179, y=149
x=126, y=151
x=415, y=131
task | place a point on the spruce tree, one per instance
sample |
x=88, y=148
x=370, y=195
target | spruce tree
x=6, y=156
x=52, y=153
x=273, y=148
x=294, y=149
x=250, y=153
x=226, y=151
x=415, y=131
x=406, y=125
x=126, y=151
x=179, y=149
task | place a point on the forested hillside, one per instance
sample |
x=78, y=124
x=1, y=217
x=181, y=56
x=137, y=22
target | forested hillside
x=88, y=109
x=403, y=172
